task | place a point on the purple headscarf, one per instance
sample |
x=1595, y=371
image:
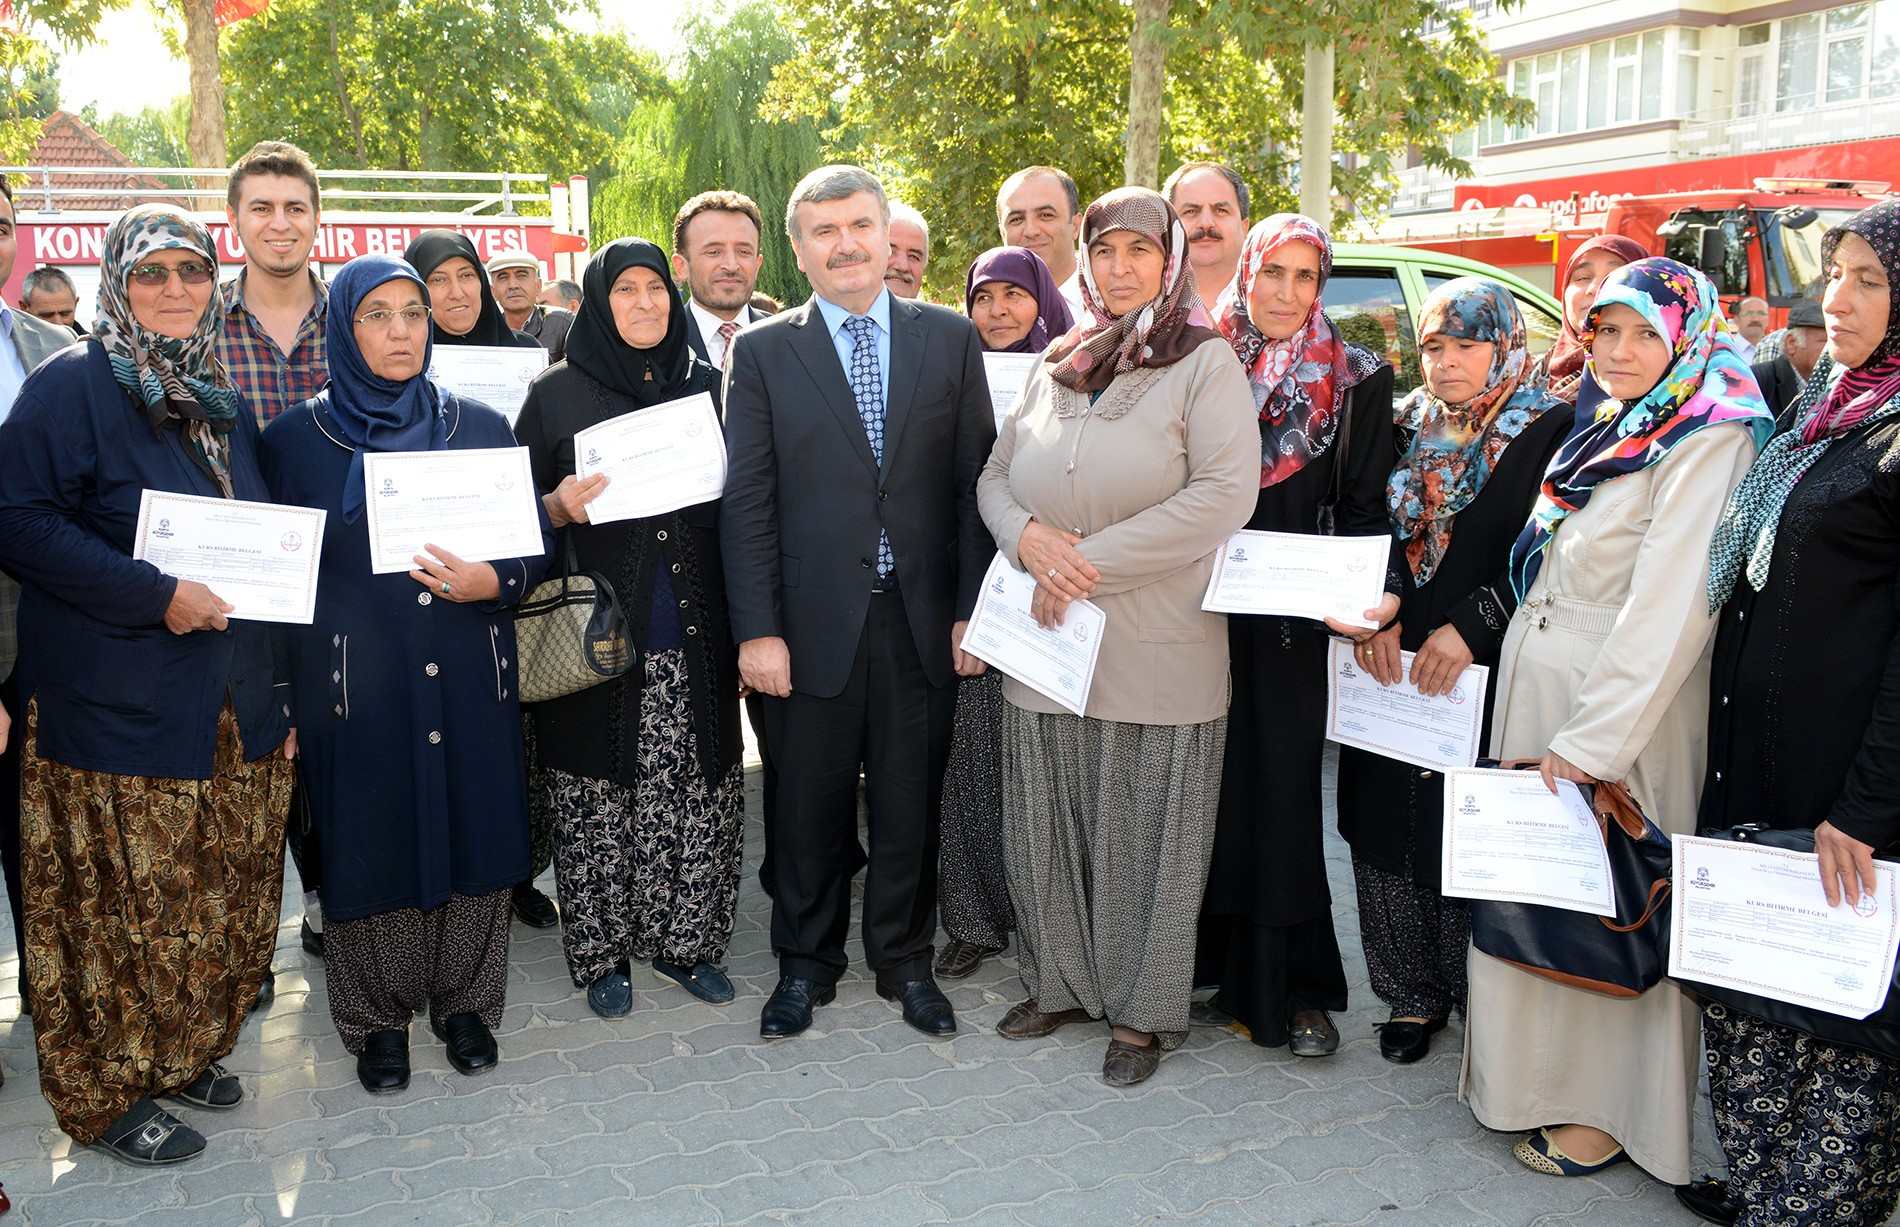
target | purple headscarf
x=1022, y=267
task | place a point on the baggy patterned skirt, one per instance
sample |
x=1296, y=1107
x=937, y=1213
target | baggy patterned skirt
x=650, y=871
x=972, y=885
x=1811, y=1129
x=151, y=916
x=1108, y=829
x=1414, y=940
x=453, y=959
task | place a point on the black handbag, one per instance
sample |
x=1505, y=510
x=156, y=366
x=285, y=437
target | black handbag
x=570, y=633
x=1878, y=1033
x=1623, y=957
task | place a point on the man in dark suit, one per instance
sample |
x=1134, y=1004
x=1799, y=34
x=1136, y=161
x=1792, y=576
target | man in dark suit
x=856, y=426
x=1783, y=376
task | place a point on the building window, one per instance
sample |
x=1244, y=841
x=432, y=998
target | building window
x=1841, y=56
x=1751, y=78
x=1616, y=81
x=1688, y=71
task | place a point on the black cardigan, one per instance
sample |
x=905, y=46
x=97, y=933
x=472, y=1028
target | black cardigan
x=588, y=733
x=1804, y=703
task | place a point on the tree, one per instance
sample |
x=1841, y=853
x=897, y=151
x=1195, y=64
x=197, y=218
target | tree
x=156, y=136
x=433, y=84
x=709, y=133
x=1147, y=66
x=29, y=91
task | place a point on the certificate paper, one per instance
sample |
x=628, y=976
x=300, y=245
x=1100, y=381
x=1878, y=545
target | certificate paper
x=1507, y=837
x=656, y=460
x=479, y=505
x=1008, y=375
x=1057, y=662
x=1399, y=722
x=1300, y=575
x=1754, y=918
x=496, y=375
x=259, y=558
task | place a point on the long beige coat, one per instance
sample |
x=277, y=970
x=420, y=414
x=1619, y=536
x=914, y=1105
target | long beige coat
x=1607, y=663
x=1154, y=476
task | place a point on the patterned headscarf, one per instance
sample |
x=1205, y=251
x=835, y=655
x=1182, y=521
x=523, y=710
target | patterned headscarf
x=1159, y=333
x=1708, y=383
x=1458, y=445
x=1025, y=270
x=174, y=382
x=1827, y=409
x=1297, y=382
x=1563, y=365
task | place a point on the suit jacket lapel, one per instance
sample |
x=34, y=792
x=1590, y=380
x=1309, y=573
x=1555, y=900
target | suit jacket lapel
x=811, y=341
x=907, y=353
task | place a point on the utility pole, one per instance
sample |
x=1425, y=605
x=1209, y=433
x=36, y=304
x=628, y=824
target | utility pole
x=1316, y=134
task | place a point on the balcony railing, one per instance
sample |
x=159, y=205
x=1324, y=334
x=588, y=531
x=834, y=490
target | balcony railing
x=472, y=192
x=1721, y=135
x=1422, y=189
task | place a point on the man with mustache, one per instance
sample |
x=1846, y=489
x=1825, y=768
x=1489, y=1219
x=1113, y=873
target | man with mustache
x=515, y=276
x=856, y=426
x=1039, y=207
x=910, y=251
x=1212, y=201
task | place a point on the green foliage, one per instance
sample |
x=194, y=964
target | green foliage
x=153, y=137
x=433, y=84
x=709, y=133
x=29, y=91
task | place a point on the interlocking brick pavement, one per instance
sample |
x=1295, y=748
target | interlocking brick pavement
x=680, y=1114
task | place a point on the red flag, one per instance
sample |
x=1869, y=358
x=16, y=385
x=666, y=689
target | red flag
x=229, y=11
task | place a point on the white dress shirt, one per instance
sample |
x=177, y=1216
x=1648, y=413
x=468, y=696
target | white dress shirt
x=709, y=330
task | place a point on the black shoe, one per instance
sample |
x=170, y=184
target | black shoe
x=961, y=959
x=383, y=1065
x=534, y=908
x=702, y=980
x=312, y=939
x=1405, y=1042
x=788, y=1010
x=146, y=1135
x=266, y=992
x=925, y=1006
x=470, y=1043
x=1709, y=1201
x=215, y=1089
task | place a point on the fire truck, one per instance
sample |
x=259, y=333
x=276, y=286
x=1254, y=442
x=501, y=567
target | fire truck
x=1762, y=241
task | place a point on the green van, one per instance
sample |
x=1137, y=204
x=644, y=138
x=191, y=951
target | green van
x=1376, y=291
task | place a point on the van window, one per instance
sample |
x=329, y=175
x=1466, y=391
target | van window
x=1368, y=306
x=1541, y=328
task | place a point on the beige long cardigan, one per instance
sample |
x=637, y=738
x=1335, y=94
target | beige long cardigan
x=1154, y=476
x=1607, y=663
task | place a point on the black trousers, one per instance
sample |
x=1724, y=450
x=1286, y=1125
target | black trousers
x=10, y=817
x=895, y=725
x=300, y=836
x=768, y=783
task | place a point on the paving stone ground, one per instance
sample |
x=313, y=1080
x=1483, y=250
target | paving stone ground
x=680, y=1114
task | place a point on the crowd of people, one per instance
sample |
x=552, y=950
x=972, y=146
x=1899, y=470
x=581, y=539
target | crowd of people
x=1682, y=571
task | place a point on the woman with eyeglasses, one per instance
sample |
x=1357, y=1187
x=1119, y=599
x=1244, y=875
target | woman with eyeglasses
x=406, y=697
x=156, y=755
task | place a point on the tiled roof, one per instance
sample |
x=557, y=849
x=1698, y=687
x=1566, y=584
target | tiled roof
x=67, y=140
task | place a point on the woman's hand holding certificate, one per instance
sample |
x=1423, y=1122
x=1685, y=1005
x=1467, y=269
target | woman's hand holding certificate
x=658, y=459
x=1057, y=661
x=1299, y=575
x=237, y=559
x=478, y=502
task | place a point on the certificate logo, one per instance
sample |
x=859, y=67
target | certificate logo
x=1702, y=879
x=1239, y=554
x=593, y=456
x=1079, y=633
x=996, y=585
x=389, y=488
x=1469, y=805
x=164, y=528
x=1866, y=907
x=504, y=484
x=291, y=542
x=1456, y=697
x=1357, y=566
x=695, y=428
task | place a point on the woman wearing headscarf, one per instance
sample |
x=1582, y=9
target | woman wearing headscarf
x=1326, y=444
x=1604, y=676
x=407, y=701
x=643, y=771
x=1804, y=704
x=463, y=311
x=1128, y=462
x=1560, y=369
x=1013, y=301
x=153, y=790
x=1456, y=502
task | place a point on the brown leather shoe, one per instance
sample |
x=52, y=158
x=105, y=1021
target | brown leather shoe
x=960, y=958
x=1127, y=1064
x=1025, y=1022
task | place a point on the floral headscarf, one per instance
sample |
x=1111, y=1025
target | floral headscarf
x=1708, y=383
x=1563, y=366
x=1828, y=408
x=1458, y=445
x=173, y=381
x=1296, y=382
x=1161, y=332
x=1025, y=270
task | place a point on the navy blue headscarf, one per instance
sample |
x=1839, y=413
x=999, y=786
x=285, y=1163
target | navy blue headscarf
x=372, y=413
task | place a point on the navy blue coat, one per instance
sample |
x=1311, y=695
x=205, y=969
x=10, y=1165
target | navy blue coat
x=408, y=718
x=117, y=691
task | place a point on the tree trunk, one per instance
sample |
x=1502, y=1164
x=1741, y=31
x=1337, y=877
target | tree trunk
x=205, y=138
x=1147, y=53
x=1316, y=135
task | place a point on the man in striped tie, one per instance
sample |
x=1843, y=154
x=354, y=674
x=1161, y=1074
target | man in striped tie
x=717, y=257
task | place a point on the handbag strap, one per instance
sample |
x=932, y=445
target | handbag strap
x=1658, y=892
x=1614, y=803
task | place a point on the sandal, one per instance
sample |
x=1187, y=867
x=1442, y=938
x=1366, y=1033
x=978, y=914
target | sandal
x=146, y=1135
x=216, y=1088
x=1540, y=1154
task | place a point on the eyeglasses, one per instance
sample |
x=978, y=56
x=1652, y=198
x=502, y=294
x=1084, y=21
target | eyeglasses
x=384, y=318
x=191, y=272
